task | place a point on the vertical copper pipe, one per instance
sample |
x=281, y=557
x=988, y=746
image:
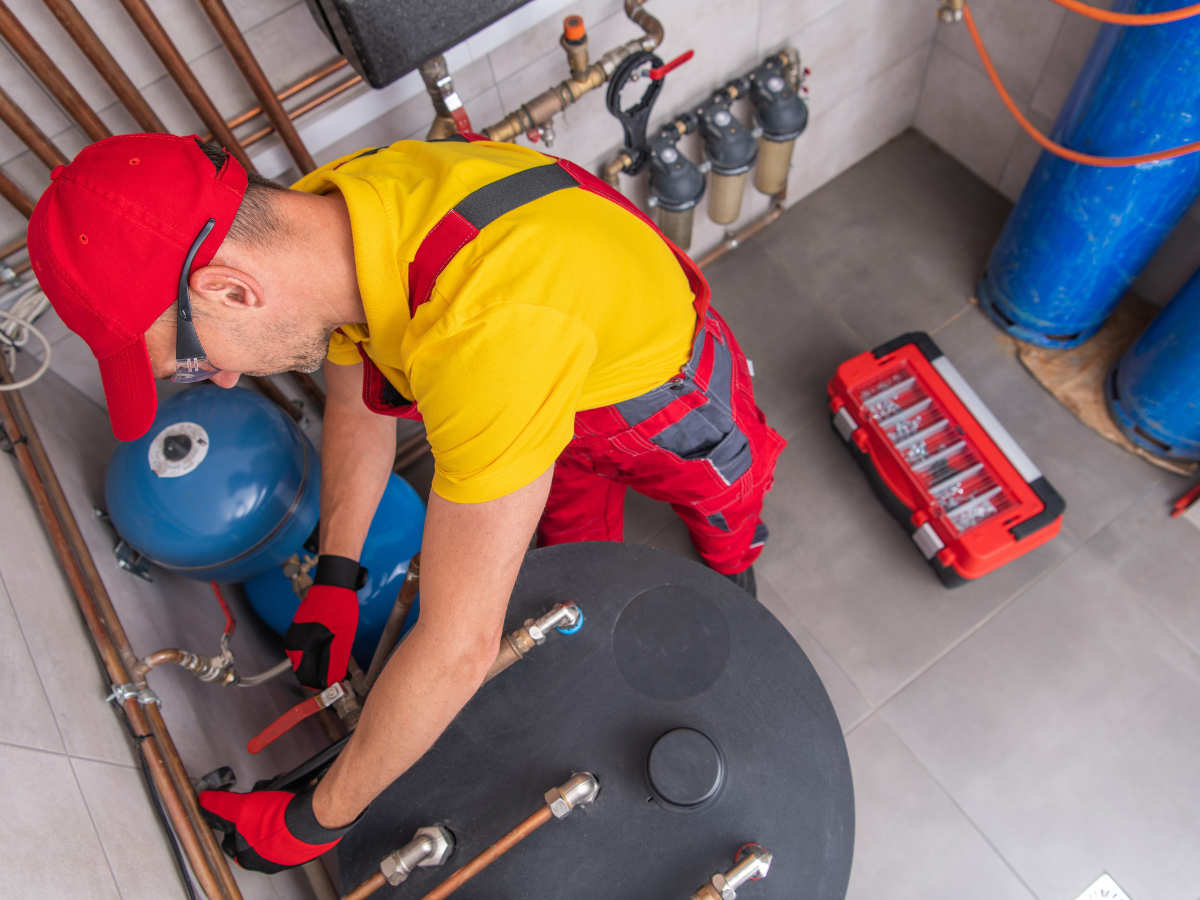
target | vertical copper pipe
x=93, y=48
x=32, y=136
x=235, y=42
x=11, y=192
x=96, y=602
x=291, y=91
x=309, y=385
x=301, y=110
x=23, y=444
x=395, y=621
x=367, y=888
x=48, y=73
x=183, y=76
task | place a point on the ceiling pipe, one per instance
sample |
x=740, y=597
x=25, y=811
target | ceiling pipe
x=183, y=76
x=32, y=136
x=31, y=53
x=235, y=43
x=114, y=76
x=12, y=192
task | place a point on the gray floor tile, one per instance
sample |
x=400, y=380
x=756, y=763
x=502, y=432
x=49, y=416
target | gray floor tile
x=848, y=702
x=794, y=340
x=675, y=539
x=911, y=841
x=48, y=845
x=851, y=574
x=28, y=719
x=54, y=631
x=1158, y=558
x=644, y=518
x=895, y=243
x=1096, y=477
x=1066, y=729
x=133, y=840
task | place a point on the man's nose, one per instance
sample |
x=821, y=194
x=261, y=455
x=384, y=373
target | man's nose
x=225, y=379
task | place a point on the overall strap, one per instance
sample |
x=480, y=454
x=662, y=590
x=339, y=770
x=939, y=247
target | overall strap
x=471, y=215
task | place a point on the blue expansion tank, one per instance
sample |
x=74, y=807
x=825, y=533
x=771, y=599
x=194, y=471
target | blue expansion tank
x=222, y=487
x=1153, y=391
x=394, y=537
x=1079, y=235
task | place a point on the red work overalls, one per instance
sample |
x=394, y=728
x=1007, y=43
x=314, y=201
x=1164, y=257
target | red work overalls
x=697, y=442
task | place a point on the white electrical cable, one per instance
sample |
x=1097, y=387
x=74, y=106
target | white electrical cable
x=22, y=324
x=255, y=681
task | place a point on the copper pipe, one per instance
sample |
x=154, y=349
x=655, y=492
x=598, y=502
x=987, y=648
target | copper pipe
x=291, y=91
x=744, y=234
x=183, y=76
x=61, y=526
x=49, y=74
x=12, y=192
x=309, y=385
x=114, y=76
x=613, y=168
x=236, y=44
x=301, y=110
x=490, y=855
x=159, y=657
x=546, y=105
x=12, y=247
x=395, y=622
x=367, y=888
x=21, y=268
x=276, y=396
x=32, y=136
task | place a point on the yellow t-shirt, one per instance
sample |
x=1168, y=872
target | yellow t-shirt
x=566, y=303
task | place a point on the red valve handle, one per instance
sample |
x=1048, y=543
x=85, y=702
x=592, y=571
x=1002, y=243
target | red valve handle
x=657, y=74
x=294, y=717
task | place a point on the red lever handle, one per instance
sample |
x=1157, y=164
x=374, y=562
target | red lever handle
x=294, y=717
x=657, y=74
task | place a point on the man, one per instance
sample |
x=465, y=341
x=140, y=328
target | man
x=556, y=346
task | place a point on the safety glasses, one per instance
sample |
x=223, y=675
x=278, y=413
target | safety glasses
x=191, y=362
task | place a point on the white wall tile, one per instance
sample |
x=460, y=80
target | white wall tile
x=1066, y=59
x=289, y=46
x=48, y=846
x=961, y=112
x=187, y=26
x=120, y=35
x=1174, y=263
x=542, y=38
x=1018, y=35
x=855, y=42
x=782, y=17
x=1022, y=158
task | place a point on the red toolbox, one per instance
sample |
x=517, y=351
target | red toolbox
x=940, y=461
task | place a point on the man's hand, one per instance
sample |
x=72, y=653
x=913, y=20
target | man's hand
x=319, y=639
x=268, y=831
x=470, y=557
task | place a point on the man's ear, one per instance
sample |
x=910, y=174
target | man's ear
x=229, y=287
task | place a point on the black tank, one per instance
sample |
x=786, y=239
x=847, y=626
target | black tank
x=699, y=714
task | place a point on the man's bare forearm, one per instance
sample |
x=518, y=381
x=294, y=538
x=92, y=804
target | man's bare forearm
x=469, y=561
x=357, y=451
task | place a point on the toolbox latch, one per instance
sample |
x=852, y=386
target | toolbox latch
x=844, y=423
x=927, y=541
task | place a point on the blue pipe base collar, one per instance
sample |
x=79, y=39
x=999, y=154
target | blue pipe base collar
x=1006, y=317
x=1135, y=430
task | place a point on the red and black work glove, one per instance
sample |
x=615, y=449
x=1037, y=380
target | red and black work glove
x=269, y=831
x=319, y=639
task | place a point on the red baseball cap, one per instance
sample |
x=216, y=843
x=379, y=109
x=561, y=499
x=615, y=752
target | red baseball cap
x=108, y=240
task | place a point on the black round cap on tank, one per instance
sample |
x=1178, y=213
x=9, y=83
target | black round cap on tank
x=686, y=770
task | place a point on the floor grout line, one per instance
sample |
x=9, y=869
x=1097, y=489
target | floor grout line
x=95, y=829
x=975, y=825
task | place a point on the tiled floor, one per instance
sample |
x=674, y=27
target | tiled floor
x=1015, y=738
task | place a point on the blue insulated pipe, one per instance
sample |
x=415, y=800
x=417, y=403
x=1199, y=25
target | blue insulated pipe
x=1153, y=391
x=1079, y=235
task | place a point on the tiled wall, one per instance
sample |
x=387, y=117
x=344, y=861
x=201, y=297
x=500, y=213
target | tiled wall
x=1038, y=48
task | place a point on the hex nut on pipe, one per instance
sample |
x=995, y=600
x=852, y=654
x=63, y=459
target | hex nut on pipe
x=430, y=846
x=581, y=788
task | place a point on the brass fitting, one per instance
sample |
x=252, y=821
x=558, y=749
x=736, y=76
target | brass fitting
x=950, y=12
x=614, y=167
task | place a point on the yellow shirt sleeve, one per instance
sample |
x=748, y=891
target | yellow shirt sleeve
x=498, y=395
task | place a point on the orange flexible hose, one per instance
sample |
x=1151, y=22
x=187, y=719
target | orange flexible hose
x=1058, y=149
x=1103, y=15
